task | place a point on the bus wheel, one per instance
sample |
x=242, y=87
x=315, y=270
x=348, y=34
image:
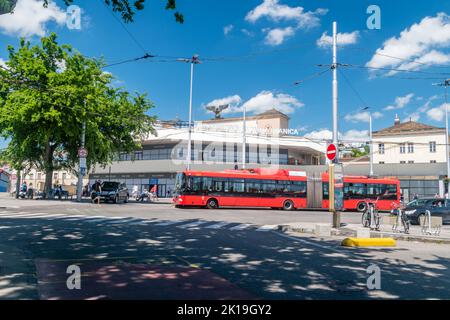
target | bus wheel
x=212, y=204
x=288, y=205
x=361, y=207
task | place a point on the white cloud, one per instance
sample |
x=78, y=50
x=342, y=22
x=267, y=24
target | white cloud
x=277, y=36
x=233, y=102
x=322, y=134
x=415, y=116
x=343, y=39
x=247, y=32
x=30, y=17
x=438, y=113
x=400, y=102
x=274, y=11
x=362, y=116
x=266, y=100
x=227, y=29
x=355, y=136
x=417, y=43
x=263, y=101
x=348, y=136
x=2, y=63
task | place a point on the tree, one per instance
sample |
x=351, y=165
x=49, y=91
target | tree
x=6, y=6
x=48, y=91
x=127, y=9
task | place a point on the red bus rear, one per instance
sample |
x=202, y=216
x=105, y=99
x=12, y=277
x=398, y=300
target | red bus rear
x=285, y=189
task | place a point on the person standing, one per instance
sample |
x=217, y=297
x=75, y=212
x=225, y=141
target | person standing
x=97, y=189
x=154, y=192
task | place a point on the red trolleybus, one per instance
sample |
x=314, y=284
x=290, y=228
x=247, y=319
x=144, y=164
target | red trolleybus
x=286, y=189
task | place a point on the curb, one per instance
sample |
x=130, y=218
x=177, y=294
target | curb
x=373, y=234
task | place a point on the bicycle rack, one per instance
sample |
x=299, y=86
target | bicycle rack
x=398, y=225
x=427, y=227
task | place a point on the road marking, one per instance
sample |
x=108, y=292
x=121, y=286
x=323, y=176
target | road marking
x=144, y=222
x=192, y=224
x=35, y=215
x=122, y=220
x=218, y=225
x=26, y=214
x=241, y=226
x=267, y=228
x=10, y=213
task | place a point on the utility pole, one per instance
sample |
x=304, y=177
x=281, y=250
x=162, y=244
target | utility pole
x=370, y=146
x=336, y=223
x=194, y=60
x=335, y=91
x=446, y=84
x=244, y=139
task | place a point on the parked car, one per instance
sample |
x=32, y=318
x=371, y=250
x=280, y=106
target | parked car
x=112, y=191
x=438, y=208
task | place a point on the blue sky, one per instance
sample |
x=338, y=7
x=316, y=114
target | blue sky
x=263, y=47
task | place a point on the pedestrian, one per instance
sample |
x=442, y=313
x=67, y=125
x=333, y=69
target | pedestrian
x=446, y=195
x=436, y=196
x=97, y=190
x=153, y=192
x=416, y=197
x=135, y=192
x=169, y=192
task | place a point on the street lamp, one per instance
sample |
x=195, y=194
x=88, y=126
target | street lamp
x=445, y=84
x=194, y=60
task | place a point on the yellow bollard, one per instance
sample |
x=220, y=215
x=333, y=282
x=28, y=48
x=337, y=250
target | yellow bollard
x=369, y=242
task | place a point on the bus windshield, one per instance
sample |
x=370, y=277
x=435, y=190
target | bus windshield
x=180, y=183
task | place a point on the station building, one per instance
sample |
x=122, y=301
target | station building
x=216, y=145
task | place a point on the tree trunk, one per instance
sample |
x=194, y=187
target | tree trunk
x=48, y=163
x=17, y=183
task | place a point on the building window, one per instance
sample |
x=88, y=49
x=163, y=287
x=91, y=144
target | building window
x=64, y=175
x=31, y=176
x=381, y=148
x=432, y=146
x=432, y=161
x=402, y=162
x=410, y=147
x=410, y=161
x=402, y=148
x=138, y=155
x=55, y=175
x=39, y=176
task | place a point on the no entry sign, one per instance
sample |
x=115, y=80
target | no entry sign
x=331, y=152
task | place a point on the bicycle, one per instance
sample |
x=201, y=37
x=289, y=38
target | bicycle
x=371, y=216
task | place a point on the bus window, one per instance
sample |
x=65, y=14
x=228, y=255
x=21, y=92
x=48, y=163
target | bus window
x=354, y=191
x=326, y=194
x=207, y=184
x=389, y=192
x=298, y=188
x=252, y=186
x=237, y=185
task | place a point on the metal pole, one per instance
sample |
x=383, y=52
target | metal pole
x=244, y=141
x=447, y=83
x=80, y=174
x=370, y=145
x=335, y=91
x=188, y=159
x=336, y=214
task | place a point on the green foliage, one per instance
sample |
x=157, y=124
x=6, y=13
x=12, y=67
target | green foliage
x=127, y=9
x=356, y=153
x=45, y=96
x=6, y=6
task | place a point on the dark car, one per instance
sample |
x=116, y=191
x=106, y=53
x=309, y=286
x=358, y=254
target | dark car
x=113, y=191
x=438, y=208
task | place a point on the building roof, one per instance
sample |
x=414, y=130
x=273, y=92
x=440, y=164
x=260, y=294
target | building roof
x=409, y=127
x=269, y=114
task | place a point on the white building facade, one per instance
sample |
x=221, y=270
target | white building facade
x=409, y=142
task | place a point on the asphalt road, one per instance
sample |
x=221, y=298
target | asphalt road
x=148, y=251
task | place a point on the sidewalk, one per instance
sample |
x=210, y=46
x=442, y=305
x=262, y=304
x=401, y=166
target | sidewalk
x=350, y=230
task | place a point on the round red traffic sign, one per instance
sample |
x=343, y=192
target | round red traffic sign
x=82, y=152
x=331, y=152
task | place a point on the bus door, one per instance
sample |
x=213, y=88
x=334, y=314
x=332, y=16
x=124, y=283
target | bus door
x=314, y=191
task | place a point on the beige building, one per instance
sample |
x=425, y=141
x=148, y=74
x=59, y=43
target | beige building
x=409, y=142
